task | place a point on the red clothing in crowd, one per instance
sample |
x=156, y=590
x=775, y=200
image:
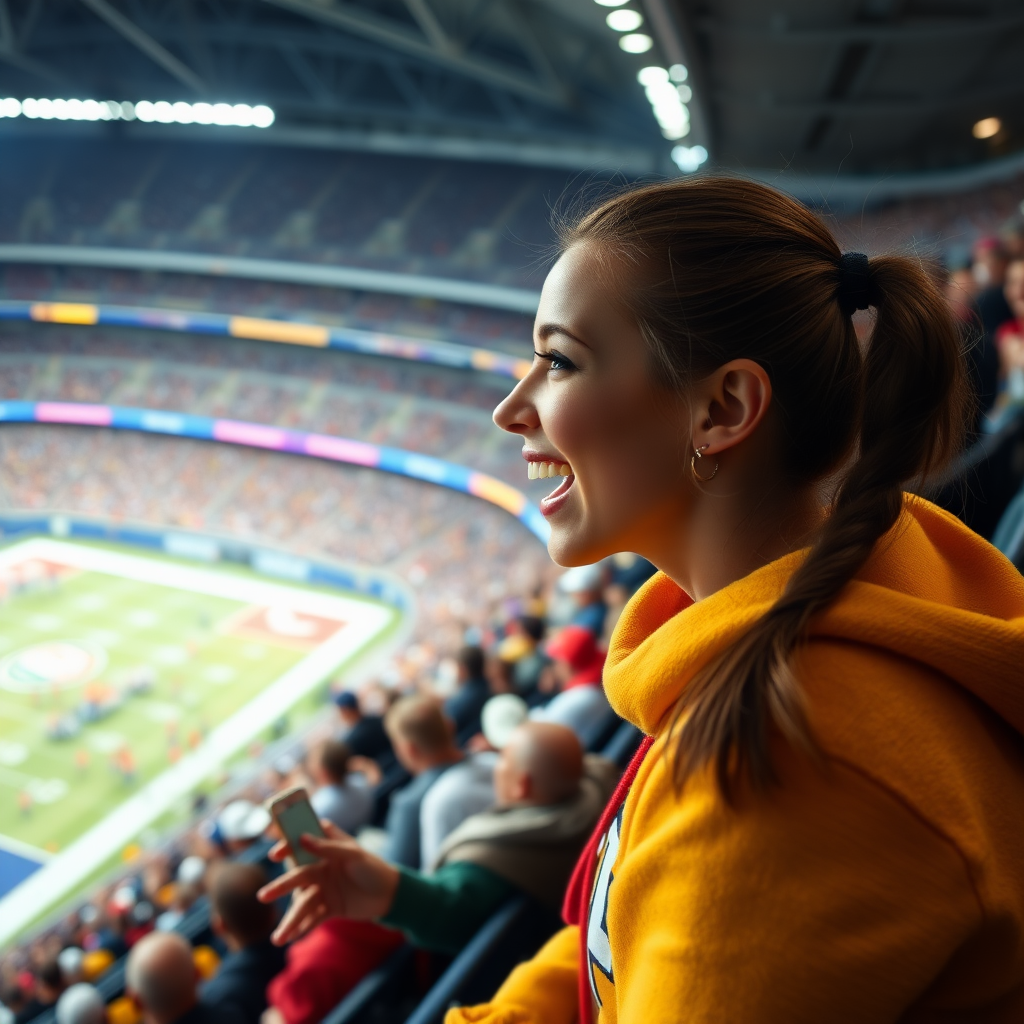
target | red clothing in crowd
x=325, y=965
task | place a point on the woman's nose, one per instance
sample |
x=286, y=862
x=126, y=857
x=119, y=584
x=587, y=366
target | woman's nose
x=517, y=414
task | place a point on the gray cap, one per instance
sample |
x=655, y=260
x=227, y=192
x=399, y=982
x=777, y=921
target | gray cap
x=70, y=962
x=81, y=1004
x=581, y=578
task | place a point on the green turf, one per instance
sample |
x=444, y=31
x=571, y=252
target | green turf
x=202, y=676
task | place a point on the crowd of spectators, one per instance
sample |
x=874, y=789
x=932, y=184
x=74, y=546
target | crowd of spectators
x=340, y=402
x=941, y=227
x=172, y=351
x=987, y=295
x=455, y=218
x=447, y=791
x=414, y=215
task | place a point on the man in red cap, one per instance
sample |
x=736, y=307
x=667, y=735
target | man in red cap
x=580, y=703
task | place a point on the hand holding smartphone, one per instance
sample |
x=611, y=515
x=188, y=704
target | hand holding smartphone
x=294, y=816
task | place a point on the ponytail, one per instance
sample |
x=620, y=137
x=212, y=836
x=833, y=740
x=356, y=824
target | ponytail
x=914, y=405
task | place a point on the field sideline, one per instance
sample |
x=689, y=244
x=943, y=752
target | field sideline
x=125, y=682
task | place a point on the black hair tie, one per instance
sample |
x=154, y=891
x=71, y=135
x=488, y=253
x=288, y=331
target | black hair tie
x=855, y=291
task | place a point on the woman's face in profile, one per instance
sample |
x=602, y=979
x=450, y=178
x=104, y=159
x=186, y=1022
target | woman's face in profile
x=592, y=417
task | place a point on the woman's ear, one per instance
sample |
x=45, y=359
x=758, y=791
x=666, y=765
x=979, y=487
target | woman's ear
x=729, y=405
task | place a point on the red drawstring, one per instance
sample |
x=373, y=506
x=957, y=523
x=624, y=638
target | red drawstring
x=581, y=885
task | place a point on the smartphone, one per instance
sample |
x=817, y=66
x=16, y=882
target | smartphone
x=294, y=816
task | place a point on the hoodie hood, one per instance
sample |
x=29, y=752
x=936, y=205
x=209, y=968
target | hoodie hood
x=932, y=591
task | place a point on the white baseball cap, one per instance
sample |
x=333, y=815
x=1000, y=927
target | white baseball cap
x=242, y=820
x=501, y=716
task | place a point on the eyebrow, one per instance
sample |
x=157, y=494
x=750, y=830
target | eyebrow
x=546, y=330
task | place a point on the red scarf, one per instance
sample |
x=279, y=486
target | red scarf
x=581, y=885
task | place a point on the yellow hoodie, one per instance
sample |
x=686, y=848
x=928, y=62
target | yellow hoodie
x=885, y=883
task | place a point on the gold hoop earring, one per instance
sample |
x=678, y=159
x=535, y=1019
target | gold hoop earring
x=698, y=453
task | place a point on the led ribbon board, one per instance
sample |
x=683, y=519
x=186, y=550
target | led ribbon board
x=287, y=332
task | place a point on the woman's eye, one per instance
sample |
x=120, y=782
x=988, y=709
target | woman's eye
x=557, y=360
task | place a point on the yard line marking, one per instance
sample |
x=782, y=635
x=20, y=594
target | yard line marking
x=26, y=850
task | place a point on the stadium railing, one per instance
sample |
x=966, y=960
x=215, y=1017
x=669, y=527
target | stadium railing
x=1009, y=533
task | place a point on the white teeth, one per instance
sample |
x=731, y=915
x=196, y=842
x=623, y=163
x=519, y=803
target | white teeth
x=543, y=470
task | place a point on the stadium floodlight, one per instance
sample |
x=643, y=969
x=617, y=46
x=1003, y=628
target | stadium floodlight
x=986, y=127
x=652, y=75
x=625, y=20
x=685, y=93
x=636, y=42
x=689, y=158
x=611, y=3
x=678, y=73
x=240, y=115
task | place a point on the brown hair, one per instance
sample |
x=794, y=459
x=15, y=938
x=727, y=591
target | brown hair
x=233, y=891
x=333, y=756
x=421, y=721
x=722, y=269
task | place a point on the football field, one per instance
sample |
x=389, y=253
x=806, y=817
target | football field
x=126, y=681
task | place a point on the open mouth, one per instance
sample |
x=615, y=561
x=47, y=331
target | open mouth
x=544, y=470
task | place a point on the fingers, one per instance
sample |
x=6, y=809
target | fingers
x=278, y=851
x=332, y=831
x=306, y=907
x=312, y=918
x=297, y=878
x=334, y=843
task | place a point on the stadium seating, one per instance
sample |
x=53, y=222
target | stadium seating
x=449, y=217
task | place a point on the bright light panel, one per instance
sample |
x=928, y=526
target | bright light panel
x=624, y=21
x=668, y=101
x=986, y=127
x=611, y=3
x=636, y=42
x=678, y=73
x=239, y=115
x=652, y=76
x=689, y=158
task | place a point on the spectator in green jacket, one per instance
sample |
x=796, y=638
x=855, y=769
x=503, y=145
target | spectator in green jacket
x=548, y=799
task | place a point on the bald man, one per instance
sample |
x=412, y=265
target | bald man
x=161, y=979
x=548, y=797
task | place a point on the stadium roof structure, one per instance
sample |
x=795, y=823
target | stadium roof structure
x=796, y=90
x=859, y=86
x=532, y=81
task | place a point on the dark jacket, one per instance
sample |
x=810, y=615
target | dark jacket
x=465, y=705
x=241, y=983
